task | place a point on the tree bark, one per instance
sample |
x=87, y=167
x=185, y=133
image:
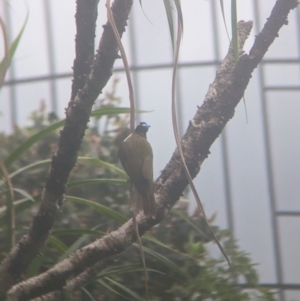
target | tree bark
x=205, y=127
x=77, y=118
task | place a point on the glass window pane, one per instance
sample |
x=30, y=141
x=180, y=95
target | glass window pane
x=284, y=122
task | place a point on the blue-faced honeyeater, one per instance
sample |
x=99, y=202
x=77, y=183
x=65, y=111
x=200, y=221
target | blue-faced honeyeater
x=136, y=156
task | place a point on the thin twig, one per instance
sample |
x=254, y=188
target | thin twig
x=205, y=127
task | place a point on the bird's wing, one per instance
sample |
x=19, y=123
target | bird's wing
x=148, y=199
x=122, y=151
x=147, y=170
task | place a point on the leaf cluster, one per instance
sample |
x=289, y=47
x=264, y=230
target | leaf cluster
x=179, y=259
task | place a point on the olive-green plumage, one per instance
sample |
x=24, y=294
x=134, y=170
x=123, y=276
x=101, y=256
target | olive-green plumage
x=136, y=156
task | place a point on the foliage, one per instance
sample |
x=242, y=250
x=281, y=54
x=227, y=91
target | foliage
x=178, y=251
x=9, y=49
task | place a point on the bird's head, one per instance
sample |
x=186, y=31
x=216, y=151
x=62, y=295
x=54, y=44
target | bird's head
x=142, y=128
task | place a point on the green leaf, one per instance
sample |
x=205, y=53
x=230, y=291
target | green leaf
x=188, y=220
x=163, y=260
x=151, y=238
x=179, y=12
x=19, y=206
x=76, y=232
x=24, y=194
x=93, y=161
x=25, y=168
x=170, y=18
x=58, y=244
x=96, y=181
x=98, y=162
x=224, y=19
x=100, y=208
x=110, y=288
x=113, y=111
x=125, y=289
x=76, y=245
x=34, y=266
x=89, y=295
x=169, y=13
x=6, y=61
x=17, y=153
x=4, y=64
x=123, y=269
x=234, y=30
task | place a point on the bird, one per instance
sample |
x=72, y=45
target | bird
x=136, y=156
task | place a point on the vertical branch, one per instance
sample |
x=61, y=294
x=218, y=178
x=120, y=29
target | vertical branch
x=86, y=16
x=205, y=127
x=77, y=117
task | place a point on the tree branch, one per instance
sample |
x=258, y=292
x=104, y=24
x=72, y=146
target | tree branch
x=86, y=16
x=77, y=117
x=207, y=124
x=79, y=281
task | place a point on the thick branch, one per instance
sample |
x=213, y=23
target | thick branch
x=79, y=281
x=209, y=121
x=77, y=117
x=86, y=16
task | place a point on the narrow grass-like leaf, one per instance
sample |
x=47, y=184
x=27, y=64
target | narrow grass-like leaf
x=151, y=238
x=27, y=167
x=126, y=290
x=76, y=245
x=17, y=153
x=179, y=13
x=93, y=161
x=177, y=137
x=114, y=111
x=13, y=47
x=100, y=163
x=188, y=220
x=234, y=32
x=100, y=208
x=34, y=267
x=78, y=232
x=58, y=244
x=110, y=17
x=104, y=284
x=224, y=19
x=16, y=204
x=6, y=61
x=170, y=18
x=96, y=181
x=144, y=11
x=164, y=260
x=246, y=113
x=88, y=294
x=24, y=193
x=10, y=197
x=19, y=205
x=123, y=269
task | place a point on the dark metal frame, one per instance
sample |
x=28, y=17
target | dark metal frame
x=53, y=77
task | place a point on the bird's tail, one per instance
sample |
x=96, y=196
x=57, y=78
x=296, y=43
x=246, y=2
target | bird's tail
x=145, y=202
